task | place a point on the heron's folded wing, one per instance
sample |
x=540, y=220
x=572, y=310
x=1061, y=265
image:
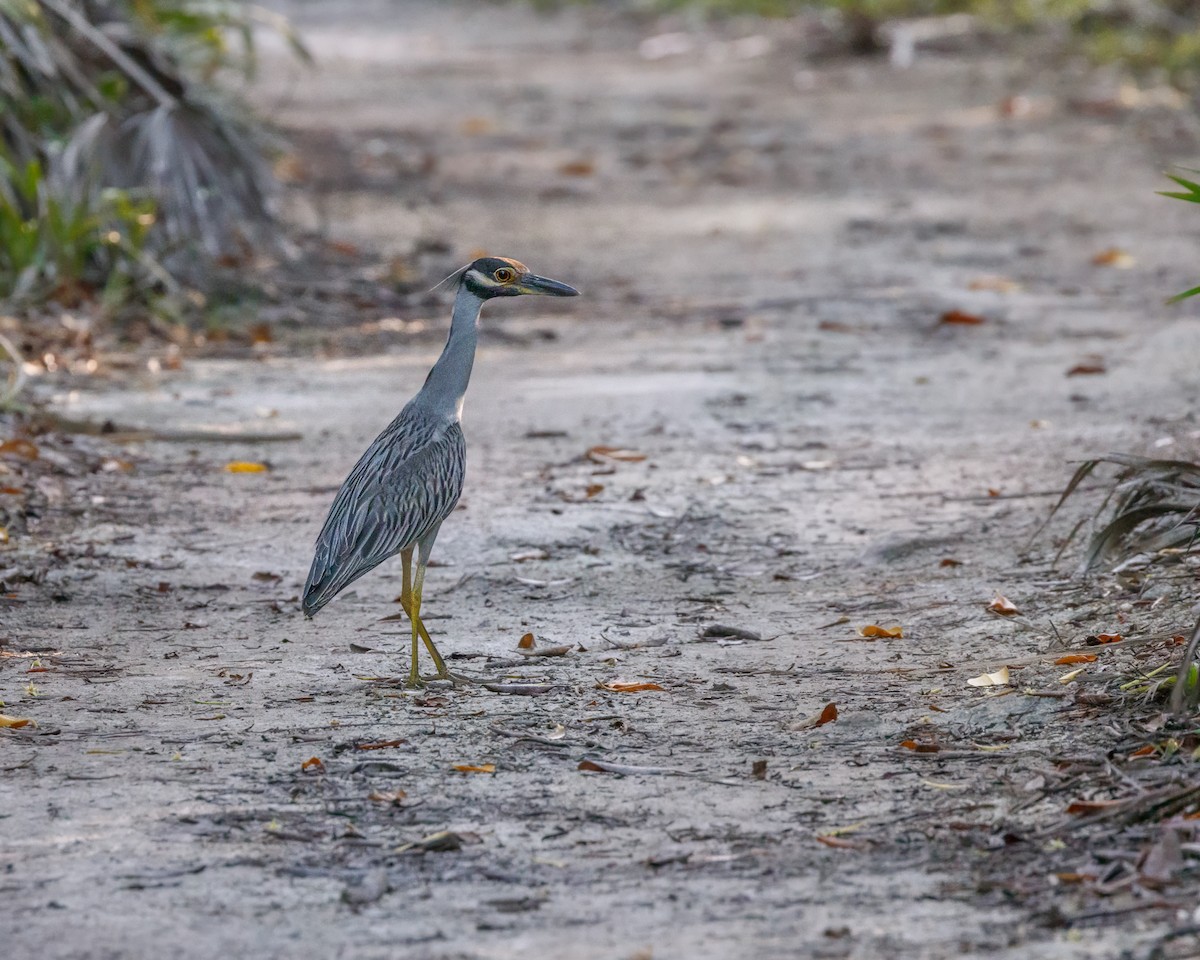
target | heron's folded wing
x=402, y=488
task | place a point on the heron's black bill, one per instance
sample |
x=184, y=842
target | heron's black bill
x=543, y=286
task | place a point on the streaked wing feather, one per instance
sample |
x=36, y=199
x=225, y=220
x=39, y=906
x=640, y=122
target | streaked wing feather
x=401, y=489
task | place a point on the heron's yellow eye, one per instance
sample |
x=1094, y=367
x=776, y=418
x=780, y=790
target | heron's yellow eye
x=504, y=275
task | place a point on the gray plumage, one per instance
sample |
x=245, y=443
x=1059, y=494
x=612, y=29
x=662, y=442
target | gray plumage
x=397, y=495
x=410, y=478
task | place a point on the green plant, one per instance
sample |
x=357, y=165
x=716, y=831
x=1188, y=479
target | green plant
x=111, y=107
x=65, y=245
x=1190, y=193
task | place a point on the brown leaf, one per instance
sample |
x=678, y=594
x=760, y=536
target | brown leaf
x=20, y=447
x=526, y=642
x=949, y=562
x=828, y=715
x=1114, y=257
x=265, y=576
x=873, y=632
x=593, y=489
x=14, y=722
x=1002, y=605
x=1097, y=639
x=1085, y=369
x=1082, y=808
x=1075, y=658
x=475, y=767
x=380, y=745
x=1147, y=751
x=631, y=686
x=601, y=454
x=313, y=763
x=578, y=168
x=387, y=796
x=260, y=333
x=916, y=747
x=962, y=318
x=758, y=769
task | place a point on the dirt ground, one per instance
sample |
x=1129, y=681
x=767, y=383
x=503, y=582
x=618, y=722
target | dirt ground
x=767, y=242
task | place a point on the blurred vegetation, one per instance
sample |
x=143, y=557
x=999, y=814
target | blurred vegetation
x=1190, y=193
x=122, y=161
x=1146, y=36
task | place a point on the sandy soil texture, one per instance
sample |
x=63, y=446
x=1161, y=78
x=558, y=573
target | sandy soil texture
x=774, y=250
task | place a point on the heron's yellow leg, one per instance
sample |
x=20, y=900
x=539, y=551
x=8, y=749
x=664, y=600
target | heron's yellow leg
x=406, y=603
x=414, y=680
x=418, y=625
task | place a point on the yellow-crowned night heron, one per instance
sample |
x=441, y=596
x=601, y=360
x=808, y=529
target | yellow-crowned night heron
x=410, y=478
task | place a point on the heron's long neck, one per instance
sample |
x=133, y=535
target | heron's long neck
x=447, y=381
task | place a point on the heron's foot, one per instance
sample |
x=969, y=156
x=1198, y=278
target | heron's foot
x=454, y=679
x=414, y=681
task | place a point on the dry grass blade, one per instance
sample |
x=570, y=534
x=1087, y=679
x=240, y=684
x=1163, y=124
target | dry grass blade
x=1186, y=694
x=1151, y=508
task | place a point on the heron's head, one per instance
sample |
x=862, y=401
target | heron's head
x=491, y=277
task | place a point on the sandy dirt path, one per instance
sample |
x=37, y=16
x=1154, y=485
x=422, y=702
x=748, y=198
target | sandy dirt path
x=766, y=244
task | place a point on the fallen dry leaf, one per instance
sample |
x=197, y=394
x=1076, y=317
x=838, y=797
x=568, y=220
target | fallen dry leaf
x=313, y=763
x=1146, y=751
x=14, y=722
x=526, y=642
x=524, y=556
x=949, y=562
x=1114, y=257
x=387, y=796
x=837, y=842
x=917, y=747
x=994, y=285
x=475, y=767
x=1099, y=638
x=998, y=678
x=873, y=632
x=601, y=454
x=1081, y=808
x=961, y=318
x=578, y=168
x=593, y=489
x=828, y=714
x=624, y=686
x=1086, y=369
x=1075, y=658
x=380, y=745
x=1002, y=605
x=1068, y=677
x=20, y=447
x=245, y=466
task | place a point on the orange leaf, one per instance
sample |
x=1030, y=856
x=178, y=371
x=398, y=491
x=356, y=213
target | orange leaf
x=623, y=686
x=873, y=632
x=962, y=318
x=828, y=715
x=1076, y=658
x=526, y=642
x=245, y=466
x=1146, y=751
x=21, y=448
x=1098, y=638
x=1002, y=605
x=381, y=745
x=916, y=747
x=313, y=763
x=475, y=767
x=14, y=722
x=590, y=765
x=1113, y=257
x=949, y=562
x=1084, y=369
